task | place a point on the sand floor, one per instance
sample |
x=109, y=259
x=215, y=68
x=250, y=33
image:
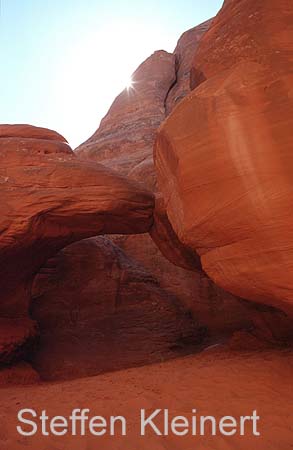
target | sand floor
x=215, y=382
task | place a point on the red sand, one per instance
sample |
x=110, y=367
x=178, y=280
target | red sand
x=216, y=382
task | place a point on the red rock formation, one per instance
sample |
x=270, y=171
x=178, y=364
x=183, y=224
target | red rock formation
x=125, y=141
x=98, y=310
x=50, y=199
x=224, y=157
x=167, y=240
x=184, y=53
x=253, y=30
x=268, y=325
x=29, y=131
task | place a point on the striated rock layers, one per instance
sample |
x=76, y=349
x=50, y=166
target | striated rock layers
x=224, y=155
x=124, y=141
x=125, y=138
x=49, y=200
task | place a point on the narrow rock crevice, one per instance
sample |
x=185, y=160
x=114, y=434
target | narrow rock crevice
x=176, y=68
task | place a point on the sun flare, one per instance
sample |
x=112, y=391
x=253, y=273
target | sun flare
x=94, y=89
x=129, y=83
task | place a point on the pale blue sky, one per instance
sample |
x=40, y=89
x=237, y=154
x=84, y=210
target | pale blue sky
x=64, y=61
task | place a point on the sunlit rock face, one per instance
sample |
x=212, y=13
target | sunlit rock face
x=125, y=137
x=224, y=159
x=98, y=311
x=31, y=132
x=249, y=30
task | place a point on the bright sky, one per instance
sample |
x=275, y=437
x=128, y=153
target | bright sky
x=64, y=61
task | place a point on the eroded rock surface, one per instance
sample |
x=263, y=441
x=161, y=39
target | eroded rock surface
x=250, y=30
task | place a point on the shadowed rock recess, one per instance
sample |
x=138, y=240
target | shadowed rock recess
x=98, y=310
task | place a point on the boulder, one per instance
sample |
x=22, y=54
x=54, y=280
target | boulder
x=223, y=156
